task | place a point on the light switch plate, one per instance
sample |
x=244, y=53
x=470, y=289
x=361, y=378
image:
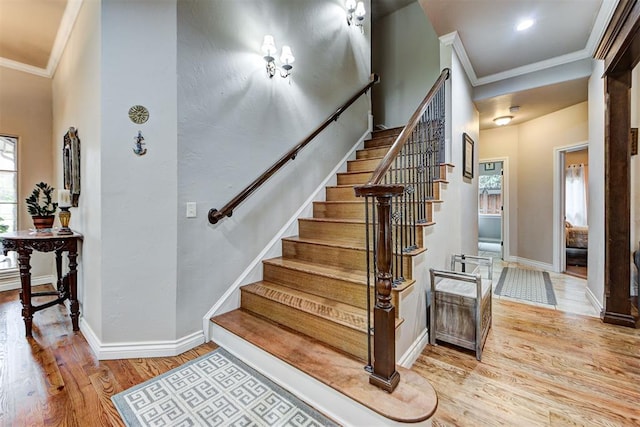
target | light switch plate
x=191, y=210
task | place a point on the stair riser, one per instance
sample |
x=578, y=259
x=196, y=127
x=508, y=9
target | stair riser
x=352, y=210
x=341, y=194
x=341, y=337
x=340, y=210
x=386, y=132
x=374, y=152
x=353, y=259
x=362, y=165
x=357, y=178
x=381, y=141
x=345, y=232
x=340, y=290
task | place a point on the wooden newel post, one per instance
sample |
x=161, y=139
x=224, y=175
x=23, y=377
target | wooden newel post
x=384, y=373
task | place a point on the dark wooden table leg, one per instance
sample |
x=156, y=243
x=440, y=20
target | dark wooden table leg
x=73, y=285
x=24, y=256
x=59, y=269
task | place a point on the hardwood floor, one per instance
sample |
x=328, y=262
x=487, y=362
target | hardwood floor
x=55, y=380
x=540, y=367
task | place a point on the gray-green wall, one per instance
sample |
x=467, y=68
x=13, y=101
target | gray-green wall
x=406, y=55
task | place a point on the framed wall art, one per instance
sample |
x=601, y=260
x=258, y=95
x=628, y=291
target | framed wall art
x=71, y=165
x=467, y=156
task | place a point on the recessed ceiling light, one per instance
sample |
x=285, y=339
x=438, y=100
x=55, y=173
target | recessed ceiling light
x=504, y=120
x=523, y=25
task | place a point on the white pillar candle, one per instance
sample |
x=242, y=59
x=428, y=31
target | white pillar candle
x=64, y=198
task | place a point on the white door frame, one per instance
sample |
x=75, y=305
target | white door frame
x=559, y=253
x=506, y=252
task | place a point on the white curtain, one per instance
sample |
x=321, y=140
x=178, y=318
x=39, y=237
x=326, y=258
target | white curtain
x=576, y=195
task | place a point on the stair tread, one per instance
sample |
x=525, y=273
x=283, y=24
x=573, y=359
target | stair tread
x=412, y=401
x=342, y=185
x=368, y=159
x=334, y=272
x=323, y=242
x=326, y=308
x=356, y=172
x=341, y=244
x=356, y=276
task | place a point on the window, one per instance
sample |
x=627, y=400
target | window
x=490, y=194
x=8, y=192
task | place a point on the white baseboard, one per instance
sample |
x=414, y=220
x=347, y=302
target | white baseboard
x=130, y=350
x=593, y=300
x=411, y=355
x=231, y=298
x=531, y=263
x=14, y=282
x=325, y=399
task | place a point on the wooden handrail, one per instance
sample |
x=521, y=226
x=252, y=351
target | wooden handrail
x=396, y=148
x=216, y=215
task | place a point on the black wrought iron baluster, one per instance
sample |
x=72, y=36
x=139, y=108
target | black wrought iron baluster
x=369, y=367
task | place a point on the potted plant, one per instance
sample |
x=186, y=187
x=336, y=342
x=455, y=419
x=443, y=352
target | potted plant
x=41, y=206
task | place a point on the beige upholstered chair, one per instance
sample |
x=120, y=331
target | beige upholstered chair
x=460, y=311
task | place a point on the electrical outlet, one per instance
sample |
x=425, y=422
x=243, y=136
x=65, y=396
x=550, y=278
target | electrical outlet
x=191, y=210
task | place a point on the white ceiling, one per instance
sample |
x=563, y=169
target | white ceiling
x=535, y=69
x=541, y=70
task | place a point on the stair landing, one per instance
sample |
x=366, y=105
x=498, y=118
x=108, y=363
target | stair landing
x=413, y=401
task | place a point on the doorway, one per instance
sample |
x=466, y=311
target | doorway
x=571, y=202
x=491, y=208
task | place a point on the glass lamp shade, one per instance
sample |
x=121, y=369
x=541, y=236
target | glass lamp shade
x=287, y=56
x=268, y=46
x=350, y=5
x=360, y=12
x=504, y=120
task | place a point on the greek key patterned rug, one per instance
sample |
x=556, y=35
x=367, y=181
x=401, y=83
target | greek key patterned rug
x=528, y=285
x=216, y=389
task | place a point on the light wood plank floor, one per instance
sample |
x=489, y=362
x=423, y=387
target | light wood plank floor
x=540, y=367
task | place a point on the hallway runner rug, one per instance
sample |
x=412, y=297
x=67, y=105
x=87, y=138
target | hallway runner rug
x=216, y=389
x=529, y=285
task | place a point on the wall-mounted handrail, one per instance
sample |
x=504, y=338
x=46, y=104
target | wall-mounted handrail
x=216, y=215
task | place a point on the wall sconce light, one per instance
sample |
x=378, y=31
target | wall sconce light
x=355, y=13
x=286, y=57
x=502, y=121
x=269, y=50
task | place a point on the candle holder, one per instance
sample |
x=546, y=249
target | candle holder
x=64, y=216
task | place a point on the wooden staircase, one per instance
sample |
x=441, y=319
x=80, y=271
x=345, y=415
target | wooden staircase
x=317, y=289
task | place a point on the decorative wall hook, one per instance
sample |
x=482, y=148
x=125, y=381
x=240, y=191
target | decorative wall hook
x=139, y=149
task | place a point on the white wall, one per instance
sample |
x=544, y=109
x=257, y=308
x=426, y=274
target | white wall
x=595, y=280
x=76, y=102
x=234, y=122
x=456, y=228
x=139, y=194
x=406, y=56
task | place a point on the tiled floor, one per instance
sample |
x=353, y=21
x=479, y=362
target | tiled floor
x=570, y=290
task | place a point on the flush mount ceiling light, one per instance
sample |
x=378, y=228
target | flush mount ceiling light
x=525, y=24
x=504, y=120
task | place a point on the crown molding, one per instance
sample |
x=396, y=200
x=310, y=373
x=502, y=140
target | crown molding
x=64, y=33
x=62, y=37
x=19, y=66
x=600, y=25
